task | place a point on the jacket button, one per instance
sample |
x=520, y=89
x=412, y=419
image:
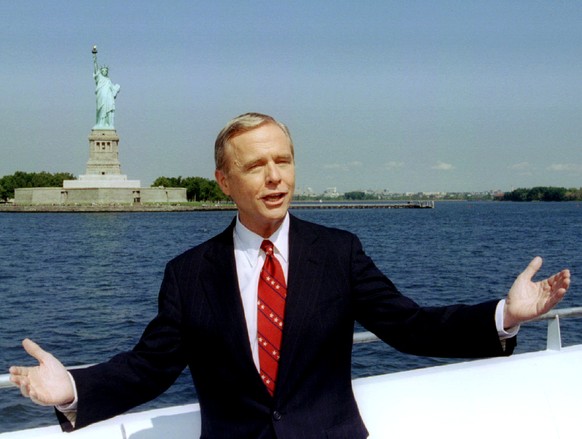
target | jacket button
x=277, y=416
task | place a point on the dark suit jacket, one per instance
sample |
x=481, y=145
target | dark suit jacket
x=331, y=284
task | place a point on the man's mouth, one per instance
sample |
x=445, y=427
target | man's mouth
x=272, y=198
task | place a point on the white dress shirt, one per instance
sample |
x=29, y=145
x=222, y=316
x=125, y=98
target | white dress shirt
x=249, y=261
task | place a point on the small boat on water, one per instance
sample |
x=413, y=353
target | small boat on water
x=529, y=395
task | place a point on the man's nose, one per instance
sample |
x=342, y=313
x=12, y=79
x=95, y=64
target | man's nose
x=273, y=174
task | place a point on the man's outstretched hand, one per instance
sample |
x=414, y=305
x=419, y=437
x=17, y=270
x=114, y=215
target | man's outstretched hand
x=45, y=384
x=528, y=299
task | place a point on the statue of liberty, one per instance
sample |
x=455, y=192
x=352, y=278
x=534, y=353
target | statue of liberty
x=105, y=93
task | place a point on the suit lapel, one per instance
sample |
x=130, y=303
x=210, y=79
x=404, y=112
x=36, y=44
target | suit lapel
x=305, y=276
x=220, y=285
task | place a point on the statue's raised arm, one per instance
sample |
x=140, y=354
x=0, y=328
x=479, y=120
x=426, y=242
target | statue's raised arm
x=105, y=93
x=95, y=65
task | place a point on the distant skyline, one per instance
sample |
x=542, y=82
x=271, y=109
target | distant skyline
x=407, y=96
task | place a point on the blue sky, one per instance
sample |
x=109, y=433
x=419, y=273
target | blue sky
x=397, y=95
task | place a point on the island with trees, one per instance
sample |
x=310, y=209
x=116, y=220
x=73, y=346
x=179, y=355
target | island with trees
x=200, y=190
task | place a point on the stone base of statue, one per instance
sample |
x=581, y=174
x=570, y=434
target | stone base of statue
x=55, y=196
x=101, y=181
x=102, y=184
x=103, y=168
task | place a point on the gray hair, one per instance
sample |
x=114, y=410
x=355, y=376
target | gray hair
x=239, y=125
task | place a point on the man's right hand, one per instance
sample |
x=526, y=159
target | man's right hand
x=46, y=384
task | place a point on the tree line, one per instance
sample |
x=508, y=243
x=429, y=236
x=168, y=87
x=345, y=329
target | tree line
x=543, y=193
x=359, y=195
x=22, y=179
x=204, y=189
x=197, y=188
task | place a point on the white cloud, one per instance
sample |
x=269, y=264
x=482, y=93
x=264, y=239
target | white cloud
x=344, y=167
x=334, y=166
x=566, y=167
x=389, y=166
x=442, y=166
x=522, y=166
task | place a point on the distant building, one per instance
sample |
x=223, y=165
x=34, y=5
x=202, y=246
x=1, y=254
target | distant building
x=331, y=192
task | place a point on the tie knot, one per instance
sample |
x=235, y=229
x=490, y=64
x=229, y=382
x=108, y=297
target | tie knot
x=267, y=247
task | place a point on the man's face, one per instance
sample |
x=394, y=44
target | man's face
x=260, y=177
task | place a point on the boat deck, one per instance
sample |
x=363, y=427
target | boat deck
x=531, y=395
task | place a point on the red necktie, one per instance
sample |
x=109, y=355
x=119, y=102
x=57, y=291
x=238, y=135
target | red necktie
x=271, y=302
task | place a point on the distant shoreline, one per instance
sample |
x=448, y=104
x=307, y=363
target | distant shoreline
x=204, y=207
x=112, y=208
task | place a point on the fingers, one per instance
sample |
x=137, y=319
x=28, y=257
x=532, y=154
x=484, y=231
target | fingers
x=560, y=282
x=24, y=389
x=16, y=372
x=19, y=377
x=16, y=377
x=27, y=391
x=564, y=278
x=561, y=279
x=19, y=374
x=34, y=350
x=533, y=268
x=556, y=288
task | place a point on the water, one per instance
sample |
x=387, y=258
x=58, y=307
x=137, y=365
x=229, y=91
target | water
x=85, y=285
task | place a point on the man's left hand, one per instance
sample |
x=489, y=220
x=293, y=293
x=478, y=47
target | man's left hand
x=527, y=299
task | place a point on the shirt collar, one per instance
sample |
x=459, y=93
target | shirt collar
x=250, y=243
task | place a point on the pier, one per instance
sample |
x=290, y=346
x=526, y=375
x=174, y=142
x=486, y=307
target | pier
x=358, y=205
x=163, y=207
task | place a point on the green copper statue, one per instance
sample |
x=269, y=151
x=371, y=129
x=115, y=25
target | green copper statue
x=105, y=92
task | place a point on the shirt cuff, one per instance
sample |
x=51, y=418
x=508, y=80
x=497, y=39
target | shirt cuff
x=72, y=407
x=501, y=331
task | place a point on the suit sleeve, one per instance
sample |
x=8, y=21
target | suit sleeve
x=461, y=331
x=135, y=377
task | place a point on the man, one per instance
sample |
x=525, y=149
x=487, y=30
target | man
x=208, y=316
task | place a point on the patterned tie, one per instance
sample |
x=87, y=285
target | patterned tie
x=271, y=302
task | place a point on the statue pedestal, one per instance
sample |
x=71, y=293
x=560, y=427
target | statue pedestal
x=87, y=181
x=103, y=153
x=103, y=167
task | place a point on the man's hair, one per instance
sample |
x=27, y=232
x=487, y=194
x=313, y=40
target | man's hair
x=239, y=125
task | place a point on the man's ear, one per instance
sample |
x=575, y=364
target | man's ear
x=222, y=181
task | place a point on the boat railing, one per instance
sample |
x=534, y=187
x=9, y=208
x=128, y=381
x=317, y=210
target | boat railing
x=553, y=338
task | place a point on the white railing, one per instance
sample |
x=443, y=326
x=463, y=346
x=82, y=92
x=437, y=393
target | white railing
x=553, y=339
